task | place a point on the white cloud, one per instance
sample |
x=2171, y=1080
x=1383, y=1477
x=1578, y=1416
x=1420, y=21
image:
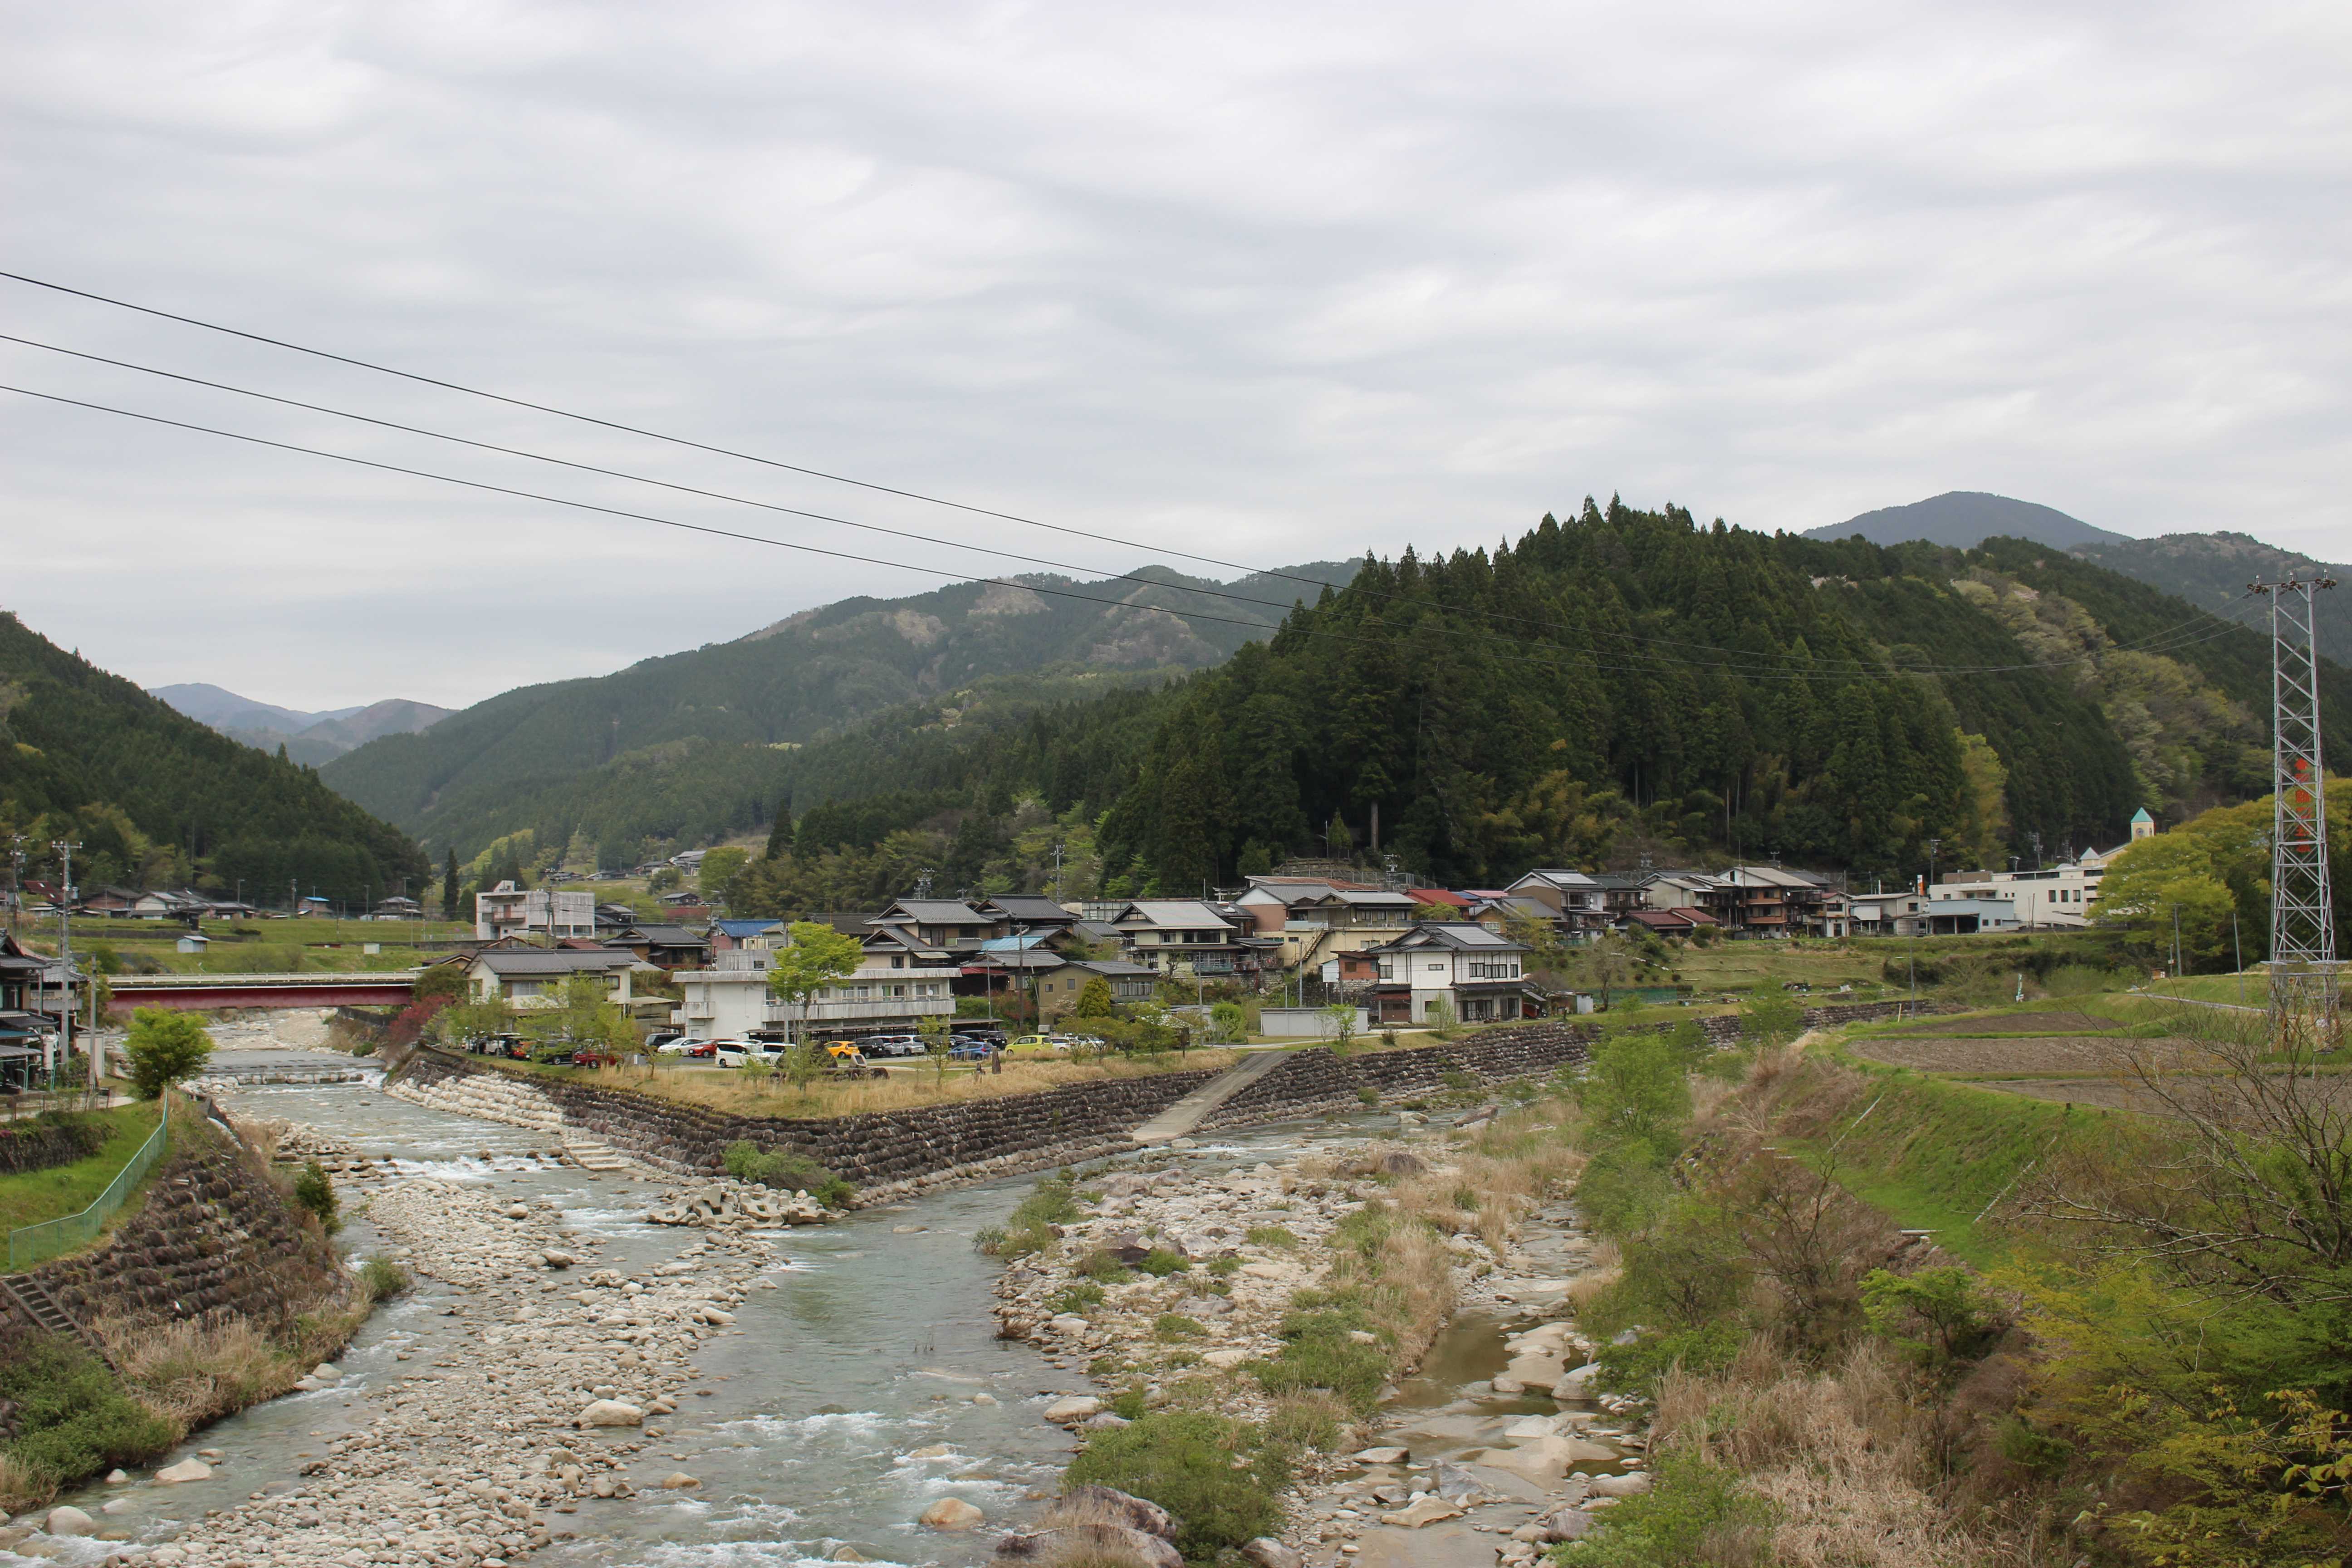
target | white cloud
x=1266, y=283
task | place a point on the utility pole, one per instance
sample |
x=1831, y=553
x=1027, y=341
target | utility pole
x=2306, y=990
x=65, y=958
x=1057, y=873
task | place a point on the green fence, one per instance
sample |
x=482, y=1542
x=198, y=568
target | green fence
x=34, y=1243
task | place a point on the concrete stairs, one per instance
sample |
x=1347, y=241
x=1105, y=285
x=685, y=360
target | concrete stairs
x=1195, y=1108
x=31, y=1298
x=594, y=1154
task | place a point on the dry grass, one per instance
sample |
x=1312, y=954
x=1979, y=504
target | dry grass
x=201, y=1369
x=748, y=1095
x=1087, y=1533
x=1842, y=1454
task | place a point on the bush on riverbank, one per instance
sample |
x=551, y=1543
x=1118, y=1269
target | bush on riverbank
x=72, y=1418
x=1220, y=1477
x=789, y=1171
x=1030, y=1227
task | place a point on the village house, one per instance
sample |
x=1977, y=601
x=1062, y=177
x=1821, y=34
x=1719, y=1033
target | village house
x=1197, y=939
x=528, y=977
x=509, y=911
x=1059, y=989
x=1479, y=975
x=730, y=1000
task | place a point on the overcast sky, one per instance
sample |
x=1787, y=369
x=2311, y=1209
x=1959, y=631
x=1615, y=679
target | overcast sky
x=1268, y=283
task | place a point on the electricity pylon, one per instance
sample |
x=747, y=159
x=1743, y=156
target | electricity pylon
x=2306, y=993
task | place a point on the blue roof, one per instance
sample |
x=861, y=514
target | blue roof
x=1021, y=943
x=2142, y=815
x=745, y=928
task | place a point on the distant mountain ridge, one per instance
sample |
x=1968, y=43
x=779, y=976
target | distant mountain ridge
x=2209, y=569
x=692, y=746
x=309, y=738
x=1962, y=520
x=152, y=798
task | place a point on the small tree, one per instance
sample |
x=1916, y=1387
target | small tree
x=939, y=1037
x=1608, y=964
x=1343, y=1026
x=441, y=982
x=449, y=885
x=1095, y=1000
x=1769, y=1020
x=818, y=955
x=315, y=1193
x=162, y=1048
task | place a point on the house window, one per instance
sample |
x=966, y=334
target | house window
x=1388, y=969
x=898, y=962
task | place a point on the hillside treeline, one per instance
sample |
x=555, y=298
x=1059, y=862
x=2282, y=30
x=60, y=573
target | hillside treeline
x=1621, y=684
x=156, y=799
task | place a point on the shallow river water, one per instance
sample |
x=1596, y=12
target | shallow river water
x=872, y=1347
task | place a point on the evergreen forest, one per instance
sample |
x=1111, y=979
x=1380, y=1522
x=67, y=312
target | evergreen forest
x=1619, y=686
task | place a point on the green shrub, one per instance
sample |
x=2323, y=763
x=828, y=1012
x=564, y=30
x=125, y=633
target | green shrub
x=73, y=1418
x=1054, y=1201
x=1077, y=1297
x=1271, y=1236
x=1217, y=1476
x=382, y=1278
x=1639, y=1367
x=1465, y=1198
x=786, y=1170
x=1320, y=1354
x=1161, y=1263
x=1367, y=1095
x=1104, y=1269
x=315, y=1193
x=1176, y=1326
x=1940, y=1318
x=1699, y=1514
x=1131, y=1404
x=1221, y=1266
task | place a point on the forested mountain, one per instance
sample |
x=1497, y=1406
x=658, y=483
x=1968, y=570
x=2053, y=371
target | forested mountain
x=311, y=738
x=1621, y=684
x=2213, y=569
x=678, y=750
x=157, y=799
x=1966, y=518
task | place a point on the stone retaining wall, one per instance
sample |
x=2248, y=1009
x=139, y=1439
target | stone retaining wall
x=883, y=1153
x=211, y=1234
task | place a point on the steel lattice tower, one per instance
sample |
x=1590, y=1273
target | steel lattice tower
x=2304, y=976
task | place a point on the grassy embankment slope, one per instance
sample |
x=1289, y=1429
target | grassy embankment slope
x=31, y=1197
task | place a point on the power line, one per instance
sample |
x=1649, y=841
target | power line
x=1742, y=661
x=1563, y=659
x=1858, y=666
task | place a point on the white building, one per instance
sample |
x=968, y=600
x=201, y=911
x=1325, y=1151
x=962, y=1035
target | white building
x=527, y=977
x=730, y=999
x=1479, y=975
x=509, y=911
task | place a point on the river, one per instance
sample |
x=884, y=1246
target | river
x=842, y=1401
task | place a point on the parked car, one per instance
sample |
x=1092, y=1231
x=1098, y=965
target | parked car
x=664, y=1039
x=967, y=1050
x=843, y=1053
x=743, y=1053
x=895, y=1046
x=1030, y=1042
x=698, y=1051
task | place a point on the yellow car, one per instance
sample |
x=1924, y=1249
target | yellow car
x=844, y=1054
x=1031, y=1043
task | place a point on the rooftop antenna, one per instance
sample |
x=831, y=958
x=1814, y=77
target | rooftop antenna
x=923, y=883
x=2306, y=993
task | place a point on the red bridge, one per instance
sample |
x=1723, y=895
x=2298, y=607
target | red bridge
x=207, y=993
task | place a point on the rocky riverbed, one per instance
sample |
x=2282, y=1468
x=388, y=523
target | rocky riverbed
x=538, y=1402
x=1494, y=1449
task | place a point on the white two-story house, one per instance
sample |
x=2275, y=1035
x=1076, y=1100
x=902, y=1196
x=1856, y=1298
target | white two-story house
x=729, y=1000
x=1478, y=975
